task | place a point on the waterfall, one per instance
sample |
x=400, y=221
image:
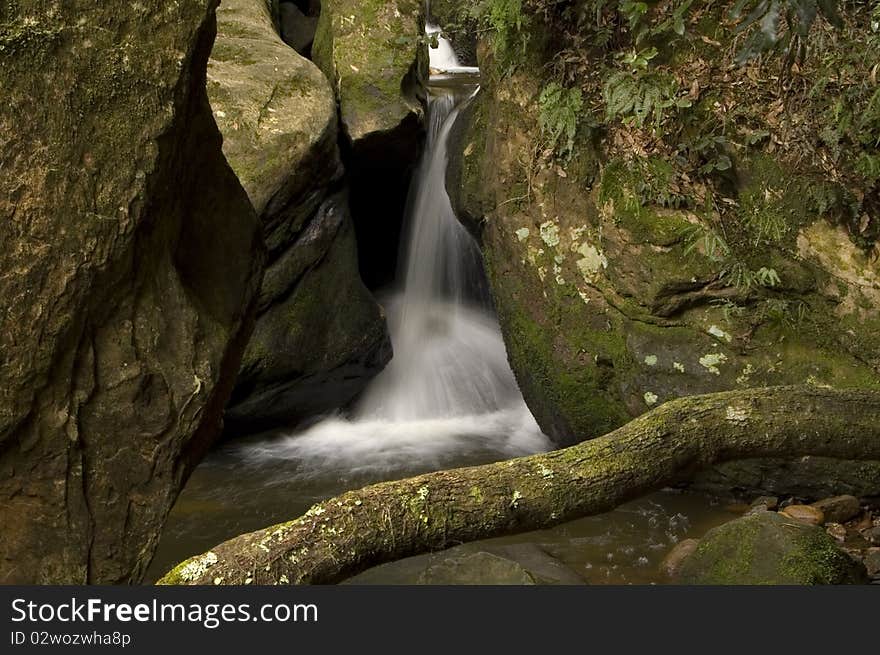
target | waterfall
x=449, y=388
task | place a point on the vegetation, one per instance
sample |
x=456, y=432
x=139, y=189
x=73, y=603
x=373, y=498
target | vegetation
x=635, y=83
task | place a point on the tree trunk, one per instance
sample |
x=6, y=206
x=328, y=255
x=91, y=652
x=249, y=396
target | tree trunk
x=389, y=521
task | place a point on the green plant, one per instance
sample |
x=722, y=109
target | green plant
x=507, y=24
x=779, y=25
x=560, y=110
x=637, y=94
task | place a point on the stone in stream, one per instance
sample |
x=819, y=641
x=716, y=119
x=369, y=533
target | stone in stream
x=319, y=336
x=476, y=564
x=805, y=514
x=671, y=564
x=477, y=569
x=836, y=531
x=839, y=509
x=129, y=266
x=872, y=562
x=767, y=502
x=872, y=535
x=767, y=548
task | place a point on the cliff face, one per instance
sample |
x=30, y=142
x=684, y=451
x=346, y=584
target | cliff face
x=130, y=259
x=678, y=240
x=320, y=336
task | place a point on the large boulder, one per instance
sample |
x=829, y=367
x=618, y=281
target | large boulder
x=130, y=260
x=375, y=56
x=320, y=336
x=615, y=288
x=766, y=548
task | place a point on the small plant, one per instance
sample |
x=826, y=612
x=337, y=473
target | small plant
x=639, y=95
x=714, y=246
x=560, y=111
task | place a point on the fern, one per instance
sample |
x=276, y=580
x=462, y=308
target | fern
x=639, y=95
x=560, y=111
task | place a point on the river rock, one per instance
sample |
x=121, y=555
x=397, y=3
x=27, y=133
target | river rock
x=836, y=531
x=609, y=308
x=477, y=569
x=320, y=336
x=805, y=514
x=129, y=264
x=767, y=502
x=872, y=562
x=470, y=564
x=769, y=548
x=375, y=56
x=672, y=562
x=839, y=509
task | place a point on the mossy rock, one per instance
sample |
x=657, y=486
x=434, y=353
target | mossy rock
x=374, y=54
x=277, y=114
x=129, y=266
x=766, y=548
x=320, y=335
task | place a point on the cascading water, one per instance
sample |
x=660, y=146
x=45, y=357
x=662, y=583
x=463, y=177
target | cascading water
x=449, y=389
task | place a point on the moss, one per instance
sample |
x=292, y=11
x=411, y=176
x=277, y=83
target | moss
x=815, y=559
x=368, y=50
x=766, y=548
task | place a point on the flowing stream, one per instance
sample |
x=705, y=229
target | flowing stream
x=447, y=399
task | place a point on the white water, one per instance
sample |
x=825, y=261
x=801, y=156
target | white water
x=449, y=389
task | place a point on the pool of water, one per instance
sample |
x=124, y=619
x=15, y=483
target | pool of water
x=233, y=492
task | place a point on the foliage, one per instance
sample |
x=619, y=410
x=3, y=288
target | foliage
x=638, y=94
x=560, y=110
x=766, y=18
x=507, y=23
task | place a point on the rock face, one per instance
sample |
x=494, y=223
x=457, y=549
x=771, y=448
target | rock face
x=319, y=336
x=129, y=264
x=768, y=548
x=611, y=295
x=297, y=28
x=375, y=57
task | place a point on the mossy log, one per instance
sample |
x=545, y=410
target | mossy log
x=389, y=521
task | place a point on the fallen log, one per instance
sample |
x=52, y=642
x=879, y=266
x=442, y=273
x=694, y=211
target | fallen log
x=384, y=522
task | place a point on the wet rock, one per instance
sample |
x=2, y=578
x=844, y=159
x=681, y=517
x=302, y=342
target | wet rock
x=772, y=549
x=805, y=514
x=319, y=336
x=872, y=535
x=767, y=502
x=477, y=569
x=471, y=564
x=804, y=477
x=129, y=264
x=872, y=562
x=839, y=509
x=671, y=564
x=836, y=531
x=316, y=345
